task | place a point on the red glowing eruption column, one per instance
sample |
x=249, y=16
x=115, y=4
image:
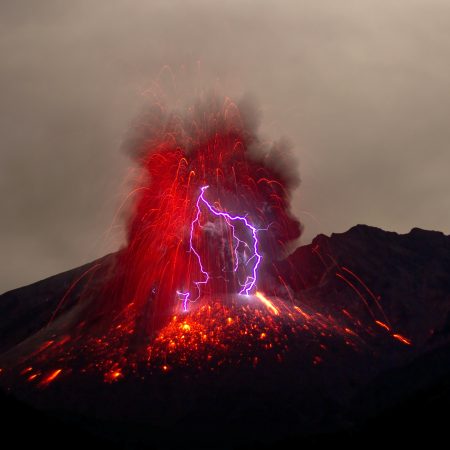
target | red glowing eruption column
x=210, y=145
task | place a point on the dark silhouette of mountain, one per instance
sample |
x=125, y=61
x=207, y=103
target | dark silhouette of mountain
x=393, y=286
x=410, y=273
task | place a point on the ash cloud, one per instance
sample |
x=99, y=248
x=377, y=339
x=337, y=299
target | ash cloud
x=199, y=121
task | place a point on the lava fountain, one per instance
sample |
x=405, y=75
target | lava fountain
x=211, y=209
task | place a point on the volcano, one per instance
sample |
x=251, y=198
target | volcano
x=354, y=342
x=205, y=328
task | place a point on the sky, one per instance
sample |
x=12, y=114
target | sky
x=360, y=88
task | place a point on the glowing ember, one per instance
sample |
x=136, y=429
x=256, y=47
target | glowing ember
x=49, y=378
x=402, y=339
x=267, y=303
x=219, y=333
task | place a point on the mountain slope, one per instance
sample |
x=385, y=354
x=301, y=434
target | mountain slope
x=375, y=346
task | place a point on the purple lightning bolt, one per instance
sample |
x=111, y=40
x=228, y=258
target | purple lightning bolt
x=229, y=219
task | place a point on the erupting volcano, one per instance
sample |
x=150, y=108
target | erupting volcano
x=198, y=282
x=210, y=217
x=210, y=202
x=207, y=292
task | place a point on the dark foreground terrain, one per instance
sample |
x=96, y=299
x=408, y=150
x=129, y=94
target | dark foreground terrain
x=377, y=391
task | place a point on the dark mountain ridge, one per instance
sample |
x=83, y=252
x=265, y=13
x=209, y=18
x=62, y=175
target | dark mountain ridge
x=400, y=281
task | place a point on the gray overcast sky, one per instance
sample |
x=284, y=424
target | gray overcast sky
x=361, y=88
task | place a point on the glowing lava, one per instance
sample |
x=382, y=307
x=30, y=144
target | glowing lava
x=270, y=306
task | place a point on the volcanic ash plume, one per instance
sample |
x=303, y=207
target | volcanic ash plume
x=211, y=208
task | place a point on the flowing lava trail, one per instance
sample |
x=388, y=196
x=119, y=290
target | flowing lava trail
x=183, y=291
